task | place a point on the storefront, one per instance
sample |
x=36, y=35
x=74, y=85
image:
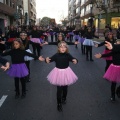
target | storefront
x=84, y=22
x=113, y=19
x=115, y=22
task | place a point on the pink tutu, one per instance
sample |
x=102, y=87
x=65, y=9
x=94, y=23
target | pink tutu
x=62, y=77
x=35, y=40
x=106, y=52
x=113, y=73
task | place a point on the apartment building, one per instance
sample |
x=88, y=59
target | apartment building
x=111, y=16
x=80, y=12
x=7, y=8
x=30, y=11
x=99, y=13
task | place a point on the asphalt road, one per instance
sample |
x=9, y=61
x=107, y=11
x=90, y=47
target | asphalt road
x=88, y=98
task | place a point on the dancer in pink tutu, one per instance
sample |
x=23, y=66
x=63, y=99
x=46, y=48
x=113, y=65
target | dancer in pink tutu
x=113, y=72
x=62, y=75
x=18, y=68
x=109, y=38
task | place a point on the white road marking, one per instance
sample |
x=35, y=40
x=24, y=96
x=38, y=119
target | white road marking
x=3, y=99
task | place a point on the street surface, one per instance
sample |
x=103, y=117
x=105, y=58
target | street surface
x=88, y=98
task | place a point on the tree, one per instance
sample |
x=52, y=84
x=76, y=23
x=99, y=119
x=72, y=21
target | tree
x=45, y=21
x=103, y=6
x=64, y=22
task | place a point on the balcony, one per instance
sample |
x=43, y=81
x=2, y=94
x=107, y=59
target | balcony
x=87, y=12
x=78, y=4
x=74, y=1
x=86, y=3
x=6, y=9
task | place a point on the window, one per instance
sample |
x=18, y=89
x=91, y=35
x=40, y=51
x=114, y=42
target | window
x=1, y=1
x=7, y=2
x=82, y=12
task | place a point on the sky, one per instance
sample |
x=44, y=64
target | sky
x=57, y=9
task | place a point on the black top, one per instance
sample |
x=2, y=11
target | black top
x=103, y=43
x=26, y=43
x=76, y=32
x=17, y=55
x=12, y=34
x=35, y=34
x=115, y=53
x=90, y=35
x=62, y=60
x=82, y=32
x=56, y=43
x=3, y=61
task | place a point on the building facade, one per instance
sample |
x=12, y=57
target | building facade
x=107, y=12
x=10, y=13
x=7, y=10
x=30, y=12
x=80, y=12
x=94, y=12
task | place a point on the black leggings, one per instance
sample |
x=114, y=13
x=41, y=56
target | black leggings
x=23, y=84
x=61, y=93
x=113, y=84
x=83, y=48
x=89, y=52
x=28, y=66
x=36, y=46
x=51, y=38
x=108, y=63
x=113, y=89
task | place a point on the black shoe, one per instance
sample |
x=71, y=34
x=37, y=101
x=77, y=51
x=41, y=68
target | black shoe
x=59, y=107
x=76, y=46
x=63, y=101
x=91, y=60
x=23, y=95
x=17, y=95
x=28, y=80
x=112, y=99
x=87, y=59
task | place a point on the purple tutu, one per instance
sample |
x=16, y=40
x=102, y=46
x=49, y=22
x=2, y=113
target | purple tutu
x=113, y=73
x=71, y=33
x=88, y=42
x=76, y=37
x=81, y=40
x=41, y=40
x=62, y=77
x=106, y=52
x=35, y=40
x=18, y=70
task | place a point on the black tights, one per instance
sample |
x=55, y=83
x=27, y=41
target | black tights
x=36, y=46
x=113, y=89
x=83, y=48
x=23, y=84
x=61, y=93
x=89, y=52
x=108, y=63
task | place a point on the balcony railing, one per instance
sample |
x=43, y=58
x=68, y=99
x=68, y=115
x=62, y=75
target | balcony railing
x=87, y=12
